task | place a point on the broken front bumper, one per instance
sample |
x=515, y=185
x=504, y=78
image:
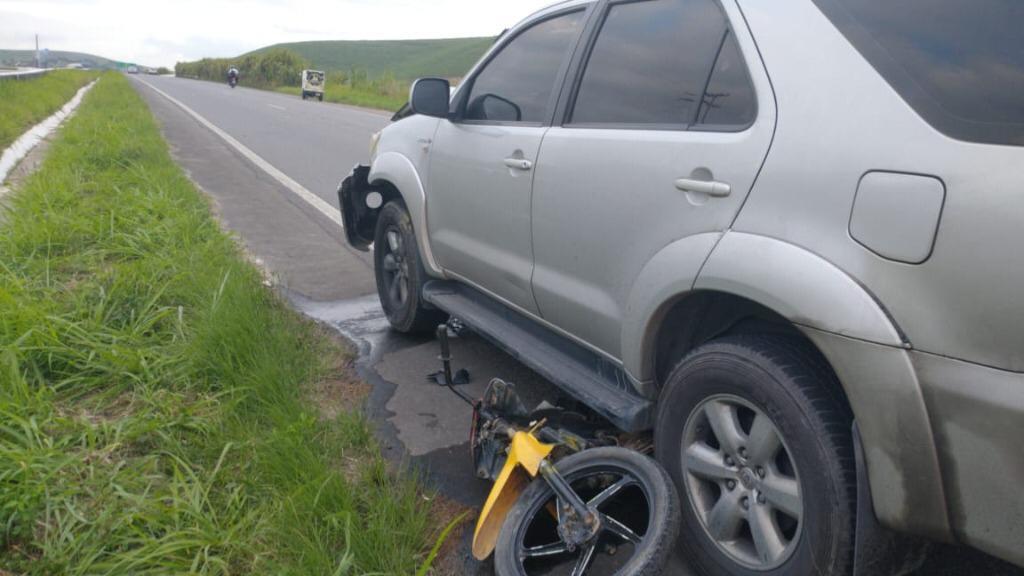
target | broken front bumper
x=359, y=219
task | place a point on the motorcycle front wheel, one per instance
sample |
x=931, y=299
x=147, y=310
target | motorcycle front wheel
x=638, y=510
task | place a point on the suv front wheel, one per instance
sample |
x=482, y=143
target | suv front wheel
x=758, y=443
x=399, y=272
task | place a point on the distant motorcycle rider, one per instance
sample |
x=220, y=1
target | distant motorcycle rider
x=232, y=76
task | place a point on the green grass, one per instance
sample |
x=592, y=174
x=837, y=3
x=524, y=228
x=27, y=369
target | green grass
x=344, y=94
x=406, y=59
x=25, y=103
x=153, y=412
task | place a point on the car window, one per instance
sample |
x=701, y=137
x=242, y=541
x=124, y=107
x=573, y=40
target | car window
x=729, y=99
x=518, y=83
x=959, y=63
x=650, y=63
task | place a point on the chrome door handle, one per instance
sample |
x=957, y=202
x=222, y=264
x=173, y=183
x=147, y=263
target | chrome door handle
x=709, y=187
x=518, y=164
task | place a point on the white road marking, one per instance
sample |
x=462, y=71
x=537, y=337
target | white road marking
x=313, y=200
x=276, y=107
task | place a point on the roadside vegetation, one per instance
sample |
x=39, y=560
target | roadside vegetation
x=373, y=74
x=281, y=70
x=265, y=70
x=154, y=394
x=404, y=59
x=25, y=103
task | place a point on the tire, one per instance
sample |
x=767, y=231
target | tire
x=303, y=96
x=530, y=517
x=708, y=411
x=395, y=237
x=320, y=97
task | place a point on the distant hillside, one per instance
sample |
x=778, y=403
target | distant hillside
x=55, y=59
x=407, y=59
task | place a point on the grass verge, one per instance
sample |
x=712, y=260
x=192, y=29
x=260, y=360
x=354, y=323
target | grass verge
x=25, y=103
x=152, y=411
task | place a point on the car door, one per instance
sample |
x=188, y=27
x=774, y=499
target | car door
x=481, y=163
x=660, y=140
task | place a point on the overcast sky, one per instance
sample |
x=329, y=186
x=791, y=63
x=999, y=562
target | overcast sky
x=162, y=32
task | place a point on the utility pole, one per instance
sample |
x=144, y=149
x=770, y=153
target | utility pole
x=37, y=51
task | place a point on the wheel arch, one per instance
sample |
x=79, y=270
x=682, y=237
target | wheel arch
x=395, y=177
x=752, y=283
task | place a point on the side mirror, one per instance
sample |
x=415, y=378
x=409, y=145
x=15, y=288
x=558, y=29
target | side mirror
x=430, y=97
x=494, y=107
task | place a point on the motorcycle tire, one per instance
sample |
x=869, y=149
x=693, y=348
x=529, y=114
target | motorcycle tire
x=640, y=519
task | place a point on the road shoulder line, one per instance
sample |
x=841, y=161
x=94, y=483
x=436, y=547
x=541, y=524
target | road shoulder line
x=298, y=189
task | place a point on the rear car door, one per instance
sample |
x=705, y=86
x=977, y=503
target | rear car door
x=662, y=137
x=481, y=171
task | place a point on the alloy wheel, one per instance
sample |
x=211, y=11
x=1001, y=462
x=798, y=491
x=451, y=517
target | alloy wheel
x=742, y=482
x=623, y=509
x=396, y=268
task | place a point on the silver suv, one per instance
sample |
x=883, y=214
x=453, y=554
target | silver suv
x=780, y=234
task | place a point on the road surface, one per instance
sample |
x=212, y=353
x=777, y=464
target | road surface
x=227, y=140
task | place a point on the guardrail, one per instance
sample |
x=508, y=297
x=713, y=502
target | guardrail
x=22, y=73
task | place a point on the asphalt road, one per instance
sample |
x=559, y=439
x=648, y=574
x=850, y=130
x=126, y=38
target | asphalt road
x=315, y=144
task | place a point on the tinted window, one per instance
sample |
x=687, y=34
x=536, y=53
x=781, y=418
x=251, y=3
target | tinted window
x=959, y=63
x=650, y=63
x=729, y=99
x=517, y=84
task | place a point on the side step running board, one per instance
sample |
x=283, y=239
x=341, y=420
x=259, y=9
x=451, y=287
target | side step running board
x=581, y=373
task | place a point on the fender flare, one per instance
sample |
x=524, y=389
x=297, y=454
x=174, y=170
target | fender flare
x=399, y=172
x=798, y=284
x=666, y=277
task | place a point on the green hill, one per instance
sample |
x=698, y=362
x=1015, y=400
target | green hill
x=406, y=59
x=55, y=59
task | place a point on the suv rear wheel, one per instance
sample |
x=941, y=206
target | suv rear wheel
x=399, y=272
x=759, y=445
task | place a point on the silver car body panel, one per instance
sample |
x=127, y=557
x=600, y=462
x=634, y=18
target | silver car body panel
x=978, y=416
x=839, y=120
x=480, y=208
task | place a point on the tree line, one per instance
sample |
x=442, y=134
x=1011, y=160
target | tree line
x=282, y=67
x=277, y=67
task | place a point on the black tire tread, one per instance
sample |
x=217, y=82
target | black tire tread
x=656, y=554
x=423, y=318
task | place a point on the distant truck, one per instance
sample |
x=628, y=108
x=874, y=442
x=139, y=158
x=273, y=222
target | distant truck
x=313, y=84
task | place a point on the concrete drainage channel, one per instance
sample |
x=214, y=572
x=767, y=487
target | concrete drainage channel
x=29, y=140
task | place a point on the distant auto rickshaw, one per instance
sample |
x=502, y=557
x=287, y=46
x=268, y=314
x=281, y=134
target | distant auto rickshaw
x=313, y=84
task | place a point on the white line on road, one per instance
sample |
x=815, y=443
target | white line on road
x=276, y=107
x=312, y=199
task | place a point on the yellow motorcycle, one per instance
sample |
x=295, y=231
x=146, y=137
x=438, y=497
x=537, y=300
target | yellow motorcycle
x=569, y=497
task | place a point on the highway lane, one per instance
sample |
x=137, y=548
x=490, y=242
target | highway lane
x=315, y=143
